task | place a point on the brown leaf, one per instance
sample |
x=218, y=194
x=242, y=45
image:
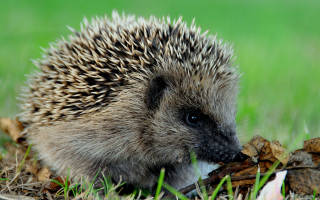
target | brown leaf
x=13, y=128
x=243, y=182
x=248, y=171
x=53, y=187
x=258, y=142
x=32, y=167
x=265, y=165
x=265, y=150
x=279, y=152
x=312, y=145
x=304, y=181
x=300, y=157
x=315, y=159
x=249, y=150
x=44, y=174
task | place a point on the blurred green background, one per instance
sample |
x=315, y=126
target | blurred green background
x=277, y=46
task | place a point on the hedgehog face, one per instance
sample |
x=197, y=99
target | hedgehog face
x=193, y=115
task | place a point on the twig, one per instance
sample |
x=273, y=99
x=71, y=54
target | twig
x=49, y=195
x=26, y=185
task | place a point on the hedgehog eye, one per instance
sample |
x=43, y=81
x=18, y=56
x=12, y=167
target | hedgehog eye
x=193, y=119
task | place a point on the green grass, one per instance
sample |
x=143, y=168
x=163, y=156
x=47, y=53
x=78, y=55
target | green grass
x=160, y=183
x=256, y=185
x=175, y=192
x=216, y=190
x=198, y=174
x=24, y=159
x=87, y=189
x=276, y=44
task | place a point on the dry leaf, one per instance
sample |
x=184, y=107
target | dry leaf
x=301, y=158
x=247, y=171
x=249, y=150
x=265, y=150
x=13, y=128
x=258, y=142
x=44, y=174
x=304, y=181
x=32, y=167
x=312, y=145
x=243, y=182
x=279, y=152
x=315, y=159
x=53, y=187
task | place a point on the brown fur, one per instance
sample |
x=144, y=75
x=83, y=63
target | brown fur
x=88, y=108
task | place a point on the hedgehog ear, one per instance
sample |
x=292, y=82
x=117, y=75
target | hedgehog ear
x=155, y=92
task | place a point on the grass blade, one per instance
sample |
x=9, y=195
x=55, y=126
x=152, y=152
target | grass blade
x=229, y=187
x=57, y=182
x=198, y=174
x=175, y=192
x=91, y=184
x=216, y=190
x=24, y=159
x=160, y=182
x=283, y=188
x=314, y=195
x=203, y=189
x=107, y=185
x=268, y=174
x=256, y=185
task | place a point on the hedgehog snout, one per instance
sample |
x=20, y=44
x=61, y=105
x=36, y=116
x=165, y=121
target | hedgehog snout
x=219, y=146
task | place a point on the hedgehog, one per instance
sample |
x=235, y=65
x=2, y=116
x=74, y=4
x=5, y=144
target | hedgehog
x=125, y=97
